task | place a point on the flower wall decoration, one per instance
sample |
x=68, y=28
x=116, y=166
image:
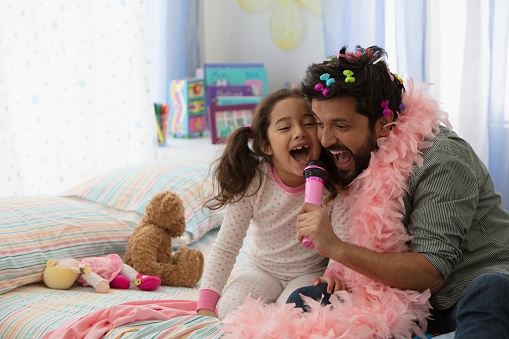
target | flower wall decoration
x=285, y=22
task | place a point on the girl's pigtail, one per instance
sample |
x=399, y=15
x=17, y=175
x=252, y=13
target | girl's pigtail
x=234, y=170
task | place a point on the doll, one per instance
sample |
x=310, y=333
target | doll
x=100, y=272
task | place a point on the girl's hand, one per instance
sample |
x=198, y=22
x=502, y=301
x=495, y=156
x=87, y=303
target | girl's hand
x=333, y=284
x=206, y=312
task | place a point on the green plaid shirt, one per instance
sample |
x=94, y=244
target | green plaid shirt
x=456, y=217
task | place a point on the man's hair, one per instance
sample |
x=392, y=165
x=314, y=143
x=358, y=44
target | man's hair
x=363, y=75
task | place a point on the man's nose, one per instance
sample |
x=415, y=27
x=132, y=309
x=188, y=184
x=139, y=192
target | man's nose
x=326, y=137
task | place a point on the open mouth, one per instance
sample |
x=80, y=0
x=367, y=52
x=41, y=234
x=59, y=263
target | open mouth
x=301, y=154
x=343, y=159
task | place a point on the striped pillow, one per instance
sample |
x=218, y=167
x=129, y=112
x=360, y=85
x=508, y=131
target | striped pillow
x=128, y=189
x=36, y=229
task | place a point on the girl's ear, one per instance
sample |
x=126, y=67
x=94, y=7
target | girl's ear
x=383, y=125
x=265, y=147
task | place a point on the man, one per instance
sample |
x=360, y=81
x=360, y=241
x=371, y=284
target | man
x=444, y=197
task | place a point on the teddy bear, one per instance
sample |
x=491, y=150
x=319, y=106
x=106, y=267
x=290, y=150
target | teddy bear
x=99, y=272
x=149, y=249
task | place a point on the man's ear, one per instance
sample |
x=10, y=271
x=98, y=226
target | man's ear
x=383, y=125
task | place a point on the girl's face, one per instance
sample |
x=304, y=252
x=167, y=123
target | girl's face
x=293, y=141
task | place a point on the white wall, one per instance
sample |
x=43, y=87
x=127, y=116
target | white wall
x=229, y=34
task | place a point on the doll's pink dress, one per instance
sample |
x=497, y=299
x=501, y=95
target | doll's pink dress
x=108, y=267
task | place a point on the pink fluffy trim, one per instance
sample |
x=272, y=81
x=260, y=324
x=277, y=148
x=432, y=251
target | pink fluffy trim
x=375, y=205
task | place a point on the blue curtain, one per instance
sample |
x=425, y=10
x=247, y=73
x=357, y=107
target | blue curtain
x=174, y=43
x=498, y=133
x=411, y=37
x=352, y=23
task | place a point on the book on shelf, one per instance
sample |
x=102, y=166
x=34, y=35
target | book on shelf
x=227, y=80
x=237, y=100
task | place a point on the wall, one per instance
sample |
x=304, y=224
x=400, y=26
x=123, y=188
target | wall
x=229, y=34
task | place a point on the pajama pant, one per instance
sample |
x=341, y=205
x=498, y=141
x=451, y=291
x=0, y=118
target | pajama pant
x=260, y=284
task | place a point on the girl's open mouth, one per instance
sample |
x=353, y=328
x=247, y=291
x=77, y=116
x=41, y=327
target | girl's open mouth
x=301, y=154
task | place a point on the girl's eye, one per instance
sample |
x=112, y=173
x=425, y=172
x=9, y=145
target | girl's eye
x=310, y=124
x=283, y=128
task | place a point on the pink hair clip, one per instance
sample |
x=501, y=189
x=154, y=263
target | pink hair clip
x=390, y=74
x=385, y=105
x=320, y=87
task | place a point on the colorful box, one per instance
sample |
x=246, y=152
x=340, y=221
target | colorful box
x=188, y=114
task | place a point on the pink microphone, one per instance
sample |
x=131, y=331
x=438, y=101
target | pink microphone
x=315, y=174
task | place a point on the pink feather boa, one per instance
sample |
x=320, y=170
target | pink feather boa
x=375, y=205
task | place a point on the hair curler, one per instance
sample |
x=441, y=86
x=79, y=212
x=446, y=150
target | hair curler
x=315, y=174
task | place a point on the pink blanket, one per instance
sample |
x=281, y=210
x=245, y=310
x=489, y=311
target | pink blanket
x=97, y=324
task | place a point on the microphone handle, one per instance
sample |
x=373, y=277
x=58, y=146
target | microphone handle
x=313, y=195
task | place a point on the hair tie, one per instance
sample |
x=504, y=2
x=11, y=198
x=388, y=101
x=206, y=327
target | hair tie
x=250, y=135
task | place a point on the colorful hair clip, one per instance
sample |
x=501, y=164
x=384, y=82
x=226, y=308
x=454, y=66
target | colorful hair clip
x=402, y=106
x=328, y=80
x=399, y=79
x=390, y=74
x=319, y=87
x=349, y=78
x=385, y=105
x=341, y=55
x=369, y=53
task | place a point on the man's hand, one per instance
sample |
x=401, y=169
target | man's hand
x=313, y=222
x=333, y=284
x=206, y=312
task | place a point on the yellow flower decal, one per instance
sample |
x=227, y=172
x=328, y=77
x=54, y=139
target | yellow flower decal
x=285, y=21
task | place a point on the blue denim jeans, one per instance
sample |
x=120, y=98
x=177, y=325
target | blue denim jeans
x=482, y=311
x=315, y=292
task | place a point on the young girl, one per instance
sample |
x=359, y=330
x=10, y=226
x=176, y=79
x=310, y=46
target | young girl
x=263, y=187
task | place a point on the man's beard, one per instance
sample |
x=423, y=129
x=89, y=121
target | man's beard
x=361, y=160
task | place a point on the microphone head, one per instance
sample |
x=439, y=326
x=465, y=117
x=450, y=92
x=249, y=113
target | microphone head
x=315, y=168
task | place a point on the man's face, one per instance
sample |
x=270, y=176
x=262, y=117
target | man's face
x=347, y=135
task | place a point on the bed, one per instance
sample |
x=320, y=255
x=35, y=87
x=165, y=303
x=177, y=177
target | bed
x=95, y=218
